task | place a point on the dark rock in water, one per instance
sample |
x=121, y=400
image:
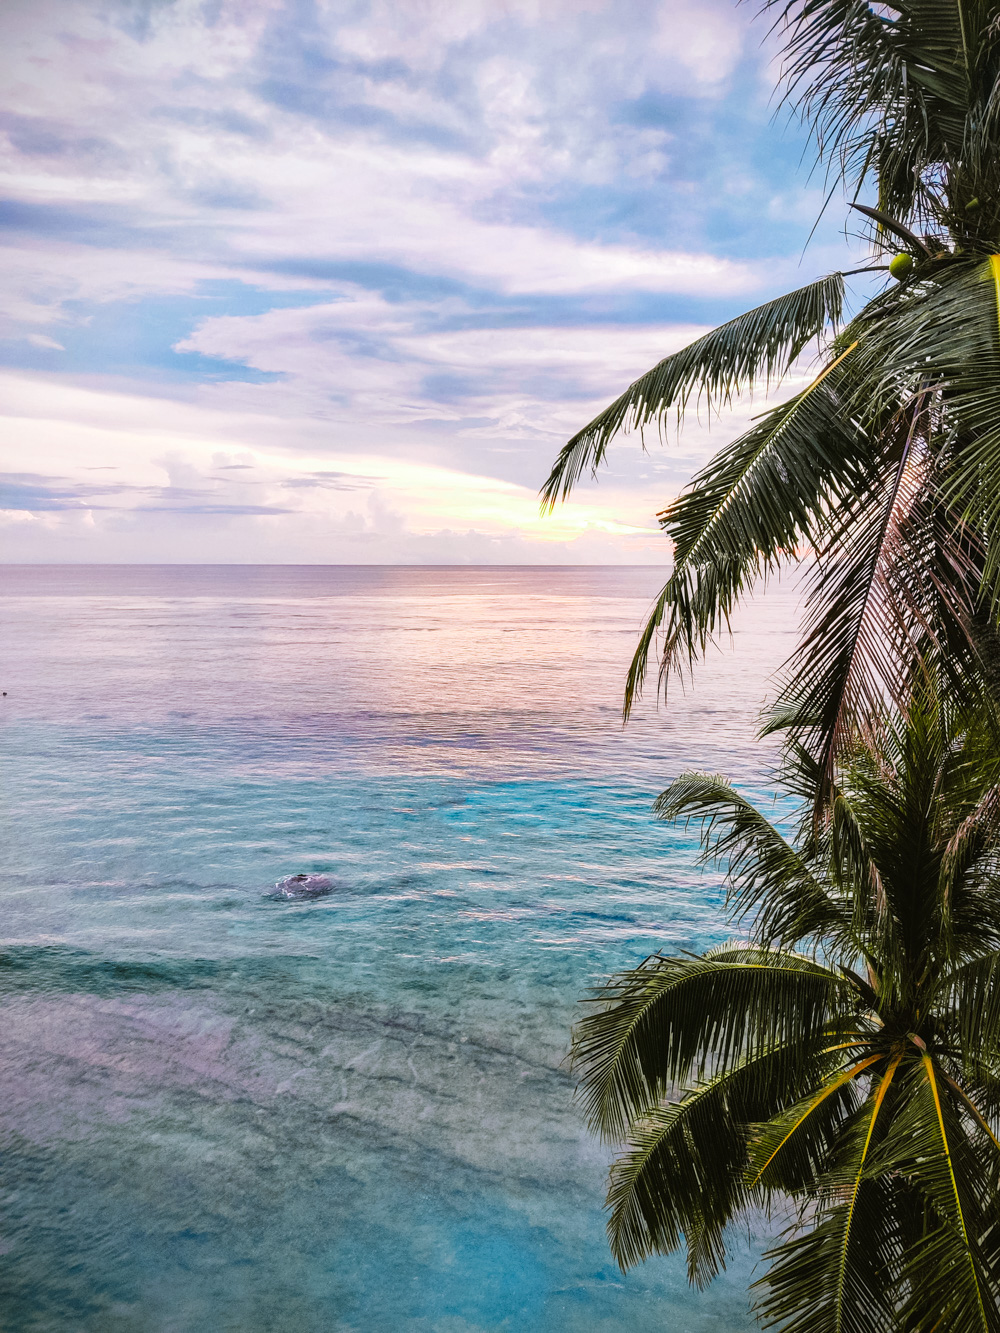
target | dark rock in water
x=303, y=886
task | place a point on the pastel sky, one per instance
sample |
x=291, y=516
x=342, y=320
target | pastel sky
x=309, y=281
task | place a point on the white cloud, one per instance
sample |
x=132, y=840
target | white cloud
x=292, y=489
x=366, y=365
x=434, y=172
x=43, y=340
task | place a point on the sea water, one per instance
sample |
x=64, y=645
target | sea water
x=226, y=1110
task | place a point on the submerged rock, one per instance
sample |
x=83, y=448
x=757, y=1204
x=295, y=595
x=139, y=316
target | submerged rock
x=303, y=886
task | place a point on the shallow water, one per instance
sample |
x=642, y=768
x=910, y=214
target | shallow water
x=226, y=1111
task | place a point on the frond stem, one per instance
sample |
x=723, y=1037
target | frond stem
x=931, y=1073
x=817, y=1101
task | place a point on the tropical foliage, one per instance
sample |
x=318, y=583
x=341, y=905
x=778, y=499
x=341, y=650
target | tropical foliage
x=884, y=473
x=844, y=1060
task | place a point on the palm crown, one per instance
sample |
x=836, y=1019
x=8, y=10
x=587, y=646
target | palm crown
x=885, y=470
x=846, y=1056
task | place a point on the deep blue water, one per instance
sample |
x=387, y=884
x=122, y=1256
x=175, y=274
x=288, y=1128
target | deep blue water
x=225, y=1112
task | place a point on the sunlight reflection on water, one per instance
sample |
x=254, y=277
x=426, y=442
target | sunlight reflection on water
x=353, y=1112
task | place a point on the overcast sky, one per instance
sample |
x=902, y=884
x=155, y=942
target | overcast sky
x=288, y=280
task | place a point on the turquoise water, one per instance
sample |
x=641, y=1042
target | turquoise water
x=225, y=1112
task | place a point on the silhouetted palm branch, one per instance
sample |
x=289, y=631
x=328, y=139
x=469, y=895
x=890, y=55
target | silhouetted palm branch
x=844, y=1059
x=884, y=475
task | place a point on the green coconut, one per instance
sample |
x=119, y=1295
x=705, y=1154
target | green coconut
x=900, y=266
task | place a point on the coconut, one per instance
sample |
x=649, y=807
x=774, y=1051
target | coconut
x=901, y=265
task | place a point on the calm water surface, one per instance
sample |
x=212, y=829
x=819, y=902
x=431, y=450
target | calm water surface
x=225, y=1112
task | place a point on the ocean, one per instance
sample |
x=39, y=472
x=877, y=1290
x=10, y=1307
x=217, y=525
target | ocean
x=226, y=1111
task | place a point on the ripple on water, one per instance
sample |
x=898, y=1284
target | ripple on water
x=352, y=1112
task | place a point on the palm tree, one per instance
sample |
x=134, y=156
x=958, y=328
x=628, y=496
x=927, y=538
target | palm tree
x=842, y=1061
x=885, y=471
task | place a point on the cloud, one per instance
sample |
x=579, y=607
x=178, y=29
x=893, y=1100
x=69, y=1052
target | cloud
x=379, y=257
x=43, y=340
x=174, y=463
x=37, y=494
x=366, y=363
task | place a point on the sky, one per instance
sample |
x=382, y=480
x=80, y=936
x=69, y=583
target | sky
x=332, y=281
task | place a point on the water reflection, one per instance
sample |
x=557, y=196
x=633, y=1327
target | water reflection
x=350, y=1112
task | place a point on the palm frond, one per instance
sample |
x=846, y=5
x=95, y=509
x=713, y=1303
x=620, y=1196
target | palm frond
x=853, y=865
x=950, y=1284
x=886, y=837
x=672, y=1020
x=785, y=1136
x=864, y=626
x=960, y=333
x=833, y=1279
x=751, y=509
x=766, y=874
x=755, y=349
x=968, y=1001
x=970, y=877
x=915, y=834
x=895, y=96
x=682, y=1174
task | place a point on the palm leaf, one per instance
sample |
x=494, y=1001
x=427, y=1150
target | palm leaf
x=834, y=1278
x=970, y=876
x=968, y=1000
x=682, y=1173
x=773, y=1142
x=892, y=95
x=755, y=504
x=863, y=632
x=756, y=348
x=766, y=875
x=960, y=331
x=951, y=1285
x=668, y=1021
